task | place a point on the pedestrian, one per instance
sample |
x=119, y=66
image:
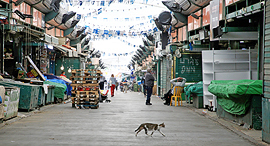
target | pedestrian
x=125, y=85
x=143, y=83
x=112, y=82
x=149, y=82
x=116, y=85
x=180, y=82
x=63, y=74
x=101, y=81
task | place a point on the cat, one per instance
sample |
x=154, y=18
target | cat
x=150, y=127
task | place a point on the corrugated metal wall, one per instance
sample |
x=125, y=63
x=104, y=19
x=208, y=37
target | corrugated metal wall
x=266, y=87
x=163, y=76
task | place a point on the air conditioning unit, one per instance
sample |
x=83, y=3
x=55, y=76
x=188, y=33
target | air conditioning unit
x=168, y=49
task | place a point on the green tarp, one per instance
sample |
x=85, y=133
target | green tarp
x=194, y=88
x=59, y=91
x=234, y=96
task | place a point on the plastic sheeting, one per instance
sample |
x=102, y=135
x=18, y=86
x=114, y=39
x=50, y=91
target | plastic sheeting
x=234, y=96
x=55, y=79
x=194, y=88
x=60, y=88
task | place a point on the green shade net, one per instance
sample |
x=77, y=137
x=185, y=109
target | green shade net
x=195, y=89
x=234, y=96
x=59, y=90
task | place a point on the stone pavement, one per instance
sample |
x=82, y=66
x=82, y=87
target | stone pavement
x=114, y=124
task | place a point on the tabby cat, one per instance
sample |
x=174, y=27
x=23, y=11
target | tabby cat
x=150, y=127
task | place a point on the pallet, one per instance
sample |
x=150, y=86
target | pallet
x=86, y=92
x=84, y=84
x=86, y=96
x=88, y=106
x=84, y=77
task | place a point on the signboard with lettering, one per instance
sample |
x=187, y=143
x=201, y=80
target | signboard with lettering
x=206, y=15
x=189, y=66
x=214, y=16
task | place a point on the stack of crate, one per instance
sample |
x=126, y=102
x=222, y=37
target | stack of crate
x=85, y=88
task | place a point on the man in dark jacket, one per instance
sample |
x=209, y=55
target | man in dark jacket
x=144, y=87
x=149, y=82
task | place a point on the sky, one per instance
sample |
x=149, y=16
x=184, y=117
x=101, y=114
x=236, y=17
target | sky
x=131, y=19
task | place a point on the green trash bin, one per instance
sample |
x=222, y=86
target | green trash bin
x=49, y=98
x=41, y=96
x=135, y=87
x=28, y=94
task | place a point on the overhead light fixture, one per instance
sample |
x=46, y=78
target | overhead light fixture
x=20, y=14
x=51, y=27
x=195, y=16
x=69, y=70
x=18, y=2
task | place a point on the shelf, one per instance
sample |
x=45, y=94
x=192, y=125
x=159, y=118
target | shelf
x=221, y=71
x=208, y=94
x=208, y=61
x=232, y=53
x=208, y=73
x=207, y=83
x=231, y=62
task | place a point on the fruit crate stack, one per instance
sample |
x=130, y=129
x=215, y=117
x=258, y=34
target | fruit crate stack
x=85, y=88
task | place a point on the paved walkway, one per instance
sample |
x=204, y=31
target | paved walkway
x=114, y=124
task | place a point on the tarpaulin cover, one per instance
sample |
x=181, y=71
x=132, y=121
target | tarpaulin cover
x=234, y=96
x=194, y=88
x=56, y=78
x=60, y=88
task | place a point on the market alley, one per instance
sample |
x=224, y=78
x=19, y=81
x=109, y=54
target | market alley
x=114, y=124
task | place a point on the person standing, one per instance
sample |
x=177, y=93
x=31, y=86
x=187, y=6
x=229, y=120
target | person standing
x=101, y=82
x=143, y=83
x=180, y=82
x=112, y=82
x=63, y=74
x=149, y=82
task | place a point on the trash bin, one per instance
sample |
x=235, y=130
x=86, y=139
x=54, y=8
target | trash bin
x=49, y=98
x=41, y=97
x=2, y=102
x=11, y=102
x=135, y=87
x=197, y=101
x=28, y=94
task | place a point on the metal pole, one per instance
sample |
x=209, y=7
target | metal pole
x=3, y=49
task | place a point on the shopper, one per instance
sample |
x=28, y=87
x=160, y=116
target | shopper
x=180, y=82
x=125, y=83
x=101, y=81
x=112, y=82
x=149, y=82
x=63, y=74
x=143, y=83
x=116, y=85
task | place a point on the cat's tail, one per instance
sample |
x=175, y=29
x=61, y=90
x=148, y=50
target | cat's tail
x=137, y=129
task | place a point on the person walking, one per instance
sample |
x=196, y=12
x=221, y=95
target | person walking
x=116, y=85
x=101, y=82
x=112, y=82
x=125, y=85
x=144, y=87
x=180, y=82
x=149, y=82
